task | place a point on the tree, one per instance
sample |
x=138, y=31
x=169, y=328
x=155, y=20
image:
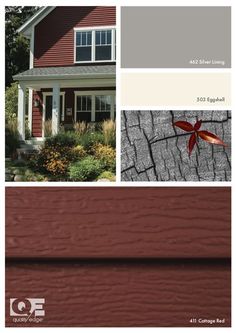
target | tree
x=16, y=45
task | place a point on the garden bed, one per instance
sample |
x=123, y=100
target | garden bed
x=84, y=154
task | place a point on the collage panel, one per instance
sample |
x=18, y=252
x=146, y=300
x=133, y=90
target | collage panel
x=118, y=256
x=176, y=145
x=150, y=90
x=176, y=37
x=61, y=104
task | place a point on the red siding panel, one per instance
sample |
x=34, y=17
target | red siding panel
x=54, y=35
x=76, y=222
x=123, y=294
x=120, y=256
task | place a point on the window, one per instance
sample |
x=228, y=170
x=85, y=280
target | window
x=84, y=108
x=94, y=105
x=103, y=45
x=95, y=45
x=102, y=107
x=84, y=46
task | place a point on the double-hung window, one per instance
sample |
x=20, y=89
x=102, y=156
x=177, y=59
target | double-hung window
x=95, y=45
x=102, y=107
x=103, y=45
x=84, y=46
x=94, y=106
x=84, y=108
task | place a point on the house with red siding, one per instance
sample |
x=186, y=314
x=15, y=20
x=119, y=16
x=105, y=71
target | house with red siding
x=72, y=68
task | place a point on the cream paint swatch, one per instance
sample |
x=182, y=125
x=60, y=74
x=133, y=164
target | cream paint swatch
x=175, y=89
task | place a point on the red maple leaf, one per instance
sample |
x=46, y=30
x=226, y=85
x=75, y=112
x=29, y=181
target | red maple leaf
x=195, y=134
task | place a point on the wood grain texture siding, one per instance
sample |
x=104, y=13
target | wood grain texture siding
x=37, y=113
x=123, y=294
x=72, y=222
x=54, y=35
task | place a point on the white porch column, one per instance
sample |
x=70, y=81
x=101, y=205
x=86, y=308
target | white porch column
x=21, y=111
x=55, y=108
x=30, y=116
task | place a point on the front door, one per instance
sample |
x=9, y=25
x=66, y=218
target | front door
x=47, y=125
x=48, y=108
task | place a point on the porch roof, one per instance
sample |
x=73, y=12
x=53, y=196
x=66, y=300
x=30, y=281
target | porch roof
x=63, y=73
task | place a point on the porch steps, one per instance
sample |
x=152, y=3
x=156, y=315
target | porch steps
x=27, y=148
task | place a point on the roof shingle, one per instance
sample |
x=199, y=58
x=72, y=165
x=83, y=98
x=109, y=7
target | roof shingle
x=64, y=72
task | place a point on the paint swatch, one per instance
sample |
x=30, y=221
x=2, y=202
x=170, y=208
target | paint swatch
x=176, y=37
x=175, y=89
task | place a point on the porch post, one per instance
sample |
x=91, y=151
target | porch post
x=55, y=108
x=21, y=111
x=30, y=102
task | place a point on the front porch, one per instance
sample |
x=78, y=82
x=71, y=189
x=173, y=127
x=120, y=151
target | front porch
x=65, y=95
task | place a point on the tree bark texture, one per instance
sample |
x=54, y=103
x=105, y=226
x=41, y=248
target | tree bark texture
x=152, y=149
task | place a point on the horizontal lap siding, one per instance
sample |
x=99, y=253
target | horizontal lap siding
x=57, y=47
x=123, y=294
x=37, y=115
x=191, y=222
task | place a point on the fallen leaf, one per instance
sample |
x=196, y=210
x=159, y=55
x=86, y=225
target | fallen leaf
x=197, y=125
x=210, y=137
x=184, y=125
x=191, y=143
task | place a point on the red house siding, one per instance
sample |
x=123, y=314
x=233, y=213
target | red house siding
x=120, y=294
x=37, y=112
x=57, y=47
x=70, y=222
x=37, y=115
x=120, y=256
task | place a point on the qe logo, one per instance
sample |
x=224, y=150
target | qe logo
x=26, y=307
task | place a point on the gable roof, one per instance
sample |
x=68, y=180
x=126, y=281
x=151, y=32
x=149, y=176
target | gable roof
x=26, y=28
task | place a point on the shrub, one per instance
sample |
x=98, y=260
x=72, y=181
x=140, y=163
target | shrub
x=54, y=160
x=109, y=132
x=11, y=102
x=12, y=137
x=107, y=175
x=85, y=170
x=106, y=154
x=56, y=155
x=63, y=139
x=79, y=151
x=89, y=139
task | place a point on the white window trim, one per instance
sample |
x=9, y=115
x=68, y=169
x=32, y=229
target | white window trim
x=94, y=93
x=31, y=59
x=93, y=29
x=48, y=93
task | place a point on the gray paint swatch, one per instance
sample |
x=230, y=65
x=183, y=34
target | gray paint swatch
x=176, y=37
